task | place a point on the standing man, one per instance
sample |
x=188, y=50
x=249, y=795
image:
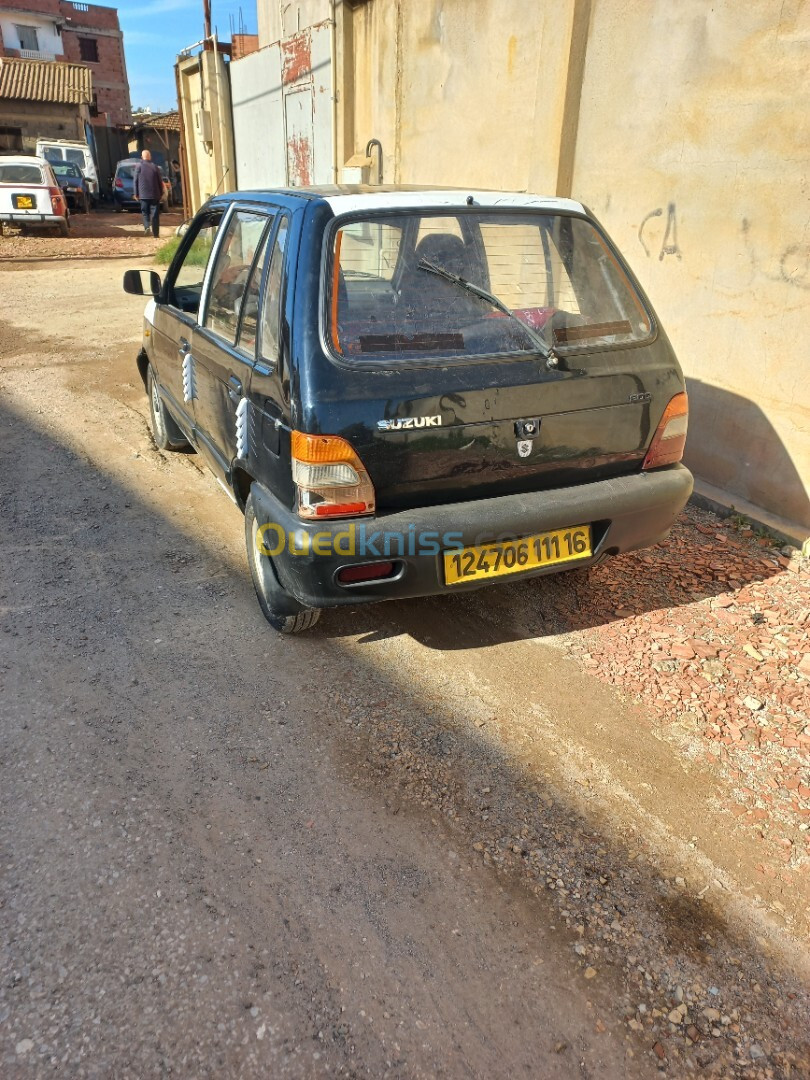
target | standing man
x=149, y=192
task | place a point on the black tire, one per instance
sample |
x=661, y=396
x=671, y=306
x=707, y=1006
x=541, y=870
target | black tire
x=282, y=611
x=63, y=228
x=165, y=432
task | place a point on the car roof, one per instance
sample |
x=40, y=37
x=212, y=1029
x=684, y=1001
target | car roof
x=345, y=199
x=22, y=160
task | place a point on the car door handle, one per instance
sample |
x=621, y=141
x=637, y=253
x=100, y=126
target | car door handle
x=184, y=348
x=234, y=388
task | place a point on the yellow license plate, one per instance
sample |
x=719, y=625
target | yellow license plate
x=515, y=556
x=24, y=202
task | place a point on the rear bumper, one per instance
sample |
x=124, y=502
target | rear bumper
x=33, y=220
x=628, y=512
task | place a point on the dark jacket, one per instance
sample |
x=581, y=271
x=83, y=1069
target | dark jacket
x=148, y=181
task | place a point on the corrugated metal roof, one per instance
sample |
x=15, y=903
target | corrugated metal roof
x=46, y=80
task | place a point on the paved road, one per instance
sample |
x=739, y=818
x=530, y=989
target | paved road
x=385, y=849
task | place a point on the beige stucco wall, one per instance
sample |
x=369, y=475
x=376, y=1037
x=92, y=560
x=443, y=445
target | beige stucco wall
x=457, y=93
x=700, y=113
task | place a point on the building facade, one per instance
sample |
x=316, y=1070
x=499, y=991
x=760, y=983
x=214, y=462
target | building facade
x=42, y=100
x=74, y=33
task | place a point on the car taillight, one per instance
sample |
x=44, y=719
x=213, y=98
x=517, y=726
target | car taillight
x=119, y=183
x=56, y=199
x=331, y=479
x=670, y=436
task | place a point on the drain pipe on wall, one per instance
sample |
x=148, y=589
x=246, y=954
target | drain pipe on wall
x=369, y=145
x=333, y=76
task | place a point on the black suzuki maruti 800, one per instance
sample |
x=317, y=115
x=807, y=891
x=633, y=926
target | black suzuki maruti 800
x=414, y=391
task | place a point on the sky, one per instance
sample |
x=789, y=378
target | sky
x=155, y=31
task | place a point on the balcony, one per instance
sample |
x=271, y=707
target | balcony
x=35, y=54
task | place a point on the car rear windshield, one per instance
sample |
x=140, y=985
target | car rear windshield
x=391, y=293
x=20, y=174
x=126, y=172
x=66, y=169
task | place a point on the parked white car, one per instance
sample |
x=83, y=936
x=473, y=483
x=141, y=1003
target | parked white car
x=30, y=195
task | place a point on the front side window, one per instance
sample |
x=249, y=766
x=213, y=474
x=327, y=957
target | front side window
x=399, y=286
x=231, y=272
x=186, y=277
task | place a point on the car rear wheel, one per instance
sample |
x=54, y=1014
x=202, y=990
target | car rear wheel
x=165, y=432
x=282, y=611
x=64, y=227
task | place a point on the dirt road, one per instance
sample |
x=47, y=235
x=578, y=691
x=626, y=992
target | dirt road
x=424, y=840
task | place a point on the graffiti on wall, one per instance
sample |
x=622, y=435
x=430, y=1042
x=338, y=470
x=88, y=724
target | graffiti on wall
x=669, y=242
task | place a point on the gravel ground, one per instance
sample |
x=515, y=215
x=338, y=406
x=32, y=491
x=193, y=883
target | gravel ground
x=722, y=656
x=448, y=837
x=99, y=234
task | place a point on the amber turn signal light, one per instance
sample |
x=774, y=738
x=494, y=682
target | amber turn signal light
x=668, y=443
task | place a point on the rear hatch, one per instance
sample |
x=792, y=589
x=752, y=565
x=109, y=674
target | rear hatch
x=22, y=189
x=445, y=397
x=125, y=180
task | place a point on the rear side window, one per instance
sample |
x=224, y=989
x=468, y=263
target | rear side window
x=271, y=315
x=20, y=174
x=397, y=287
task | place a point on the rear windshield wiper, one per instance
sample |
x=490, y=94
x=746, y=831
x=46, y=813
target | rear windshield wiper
x=545, y=351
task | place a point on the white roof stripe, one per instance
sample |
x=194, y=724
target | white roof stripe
x=407, y=200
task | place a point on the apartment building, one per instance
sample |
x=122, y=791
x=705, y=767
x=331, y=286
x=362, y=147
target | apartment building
x=63, y=31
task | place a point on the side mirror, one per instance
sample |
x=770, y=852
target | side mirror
x=141, y=282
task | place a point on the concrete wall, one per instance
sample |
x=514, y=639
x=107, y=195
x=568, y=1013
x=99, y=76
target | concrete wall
x=42, y=119
x=205, y=107
x=458, y=93
x=702, y=179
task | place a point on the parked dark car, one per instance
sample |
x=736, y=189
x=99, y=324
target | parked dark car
x=123, y=186
x=72, y=181
x=412, y=392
